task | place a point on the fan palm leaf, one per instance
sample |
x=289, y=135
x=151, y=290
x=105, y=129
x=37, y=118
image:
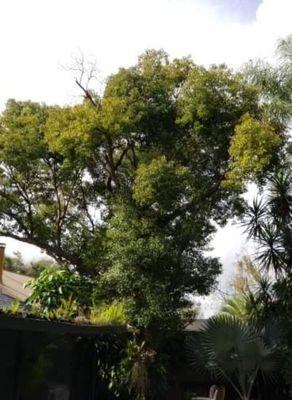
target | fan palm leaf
x=230, y=349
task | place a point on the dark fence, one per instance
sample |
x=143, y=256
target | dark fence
x=42, y=360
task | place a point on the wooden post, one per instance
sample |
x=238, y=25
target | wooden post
x=2, y=258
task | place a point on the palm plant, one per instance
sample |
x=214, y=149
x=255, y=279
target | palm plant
x=249, y=305
x=269, y=224
x=233, y=351
x=236, y=307
x=275, y=82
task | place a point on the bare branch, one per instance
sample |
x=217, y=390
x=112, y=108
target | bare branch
x=87, y=94
x=85, y=74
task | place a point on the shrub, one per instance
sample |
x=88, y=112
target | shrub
x=55, y=286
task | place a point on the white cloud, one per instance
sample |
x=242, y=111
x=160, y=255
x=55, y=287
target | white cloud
x=37, y=37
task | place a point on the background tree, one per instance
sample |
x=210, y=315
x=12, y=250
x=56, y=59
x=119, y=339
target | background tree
x=250, y=287
x=275, y=83
x=16, y=264
x=253, y=146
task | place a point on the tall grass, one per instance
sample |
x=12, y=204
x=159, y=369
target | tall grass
x=109, y=314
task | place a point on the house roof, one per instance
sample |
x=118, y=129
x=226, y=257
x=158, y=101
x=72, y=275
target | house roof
x=5, y=300
x=196, y=326
x=13, y=286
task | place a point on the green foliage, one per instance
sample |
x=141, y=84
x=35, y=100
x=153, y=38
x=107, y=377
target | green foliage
x=15, y=308
x=262, y=140
x=62, y=164
x=143, y=372
x=109, y=314
x=54, y=287
x=113, y=376
x=68, y=310
x=246, y=307
x=161, y=184
x=252, y=149
x=235, y=352
x=152, y=265
x=269, y=224
x=236, y=307
x=37, y=267
x=44, y=199
x=136, y=362
x=68, y=131
x=275, y=84
x=126, y=188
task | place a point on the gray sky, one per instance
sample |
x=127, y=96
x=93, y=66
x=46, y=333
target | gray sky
x=39, y=37
x=242, y=11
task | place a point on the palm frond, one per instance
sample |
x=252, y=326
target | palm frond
x=255, y=218
x=280, y=197
x=231, y=349
x=271, y=253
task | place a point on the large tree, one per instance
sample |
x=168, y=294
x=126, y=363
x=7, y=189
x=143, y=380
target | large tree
x=128, y=186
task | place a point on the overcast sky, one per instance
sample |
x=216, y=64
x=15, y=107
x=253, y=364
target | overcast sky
x=38, y=38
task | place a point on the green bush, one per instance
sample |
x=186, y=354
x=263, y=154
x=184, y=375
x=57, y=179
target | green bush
x=33, y=269
x=54, y=286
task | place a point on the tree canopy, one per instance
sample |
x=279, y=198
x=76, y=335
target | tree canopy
x=127, y=186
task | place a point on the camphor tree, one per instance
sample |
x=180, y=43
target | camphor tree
x=126, y=187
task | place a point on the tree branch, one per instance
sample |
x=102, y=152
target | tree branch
x=87, y=94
